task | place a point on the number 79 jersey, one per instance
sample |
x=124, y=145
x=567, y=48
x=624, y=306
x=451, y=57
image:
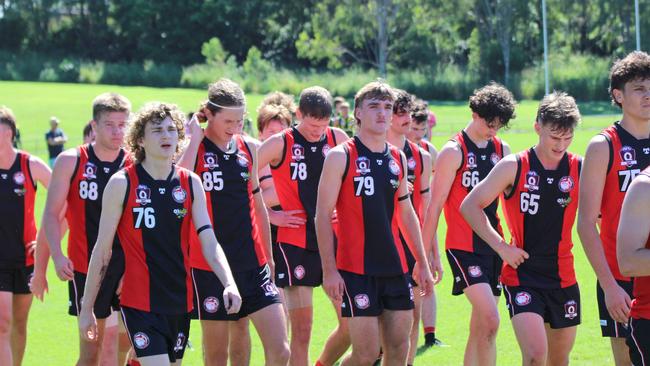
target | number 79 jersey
x=540, y=212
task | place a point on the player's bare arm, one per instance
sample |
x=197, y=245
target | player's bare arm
x=500, y=180
x=260, y=210
x=592, y=183
x=634, y=229
x=212, y=251
x=38, y=285
x=425, y=182
x=340, y=135
x=56, y=201
x=101, y=255
x=329, y=187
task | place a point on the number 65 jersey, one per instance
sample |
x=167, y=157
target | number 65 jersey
x=540, y=212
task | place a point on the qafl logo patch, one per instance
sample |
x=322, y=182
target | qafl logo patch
x=297, y=152
x=532, y=181
x=142, y=195
x=90, y=171
x=628, y=156
x=471, y=160
x=210, y=160
x=363, y=165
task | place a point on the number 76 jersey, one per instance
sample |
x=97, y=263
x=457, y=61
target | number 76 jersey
x=540, y=212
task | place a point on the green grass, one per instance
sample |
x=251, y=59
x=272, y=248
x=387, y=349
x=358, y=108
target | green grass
x=53, y=334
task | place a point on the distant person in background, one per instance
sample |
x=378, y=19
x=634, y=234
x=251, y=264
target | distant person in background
x=344, y=120
x=89, y=134
x=55, y=139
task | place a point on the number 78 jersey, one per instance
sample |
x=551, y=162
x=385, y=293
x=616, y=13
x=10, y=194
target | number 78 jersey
x=540, y=212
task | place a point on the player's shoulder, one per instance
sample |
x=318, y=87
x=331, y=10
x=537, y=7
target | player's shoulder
x=598, y=147
x=251, y=141
x=340, y=135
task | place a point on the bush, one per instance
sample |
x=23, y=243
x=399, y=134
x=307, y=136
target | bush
x=91, y=72
x=161, y=75
x=201, y=75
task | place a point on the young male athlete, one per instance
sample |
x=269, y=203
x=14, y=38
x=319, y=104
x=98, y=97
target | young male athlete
x=633, y=251
x=365, y=181
x=418, y=176
x=540, y=188
x=19, y=174
x=226, y=162
x=462, y=163
x=151, y=207
x=613, y=159
x=79, y=178
x=296, y=158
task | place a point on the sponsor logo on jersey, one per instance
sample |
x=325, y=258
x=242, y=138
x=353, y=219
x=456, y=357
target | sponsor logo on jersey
x=161, y=190
x=394, y=183
x=297, y=152
x=242, y=160
x=565, y=184
x=474, y=271
x=142, y=195
x=326, y=149
x=523, y=298
x=4, y=176
x=532, y=181
x=628, y=156
x=471, y=160
x=269, y=289
x=19, y=178
x=299, y=272
x=411, y=294
x=140, y=340
x=362, y=301
x=393, y=167
x=90, y=171
x=564, y=202
x=20, y=191
x=211, y=304
x=411, y=163
x=363, y=165
x=245, y=176
x=179, y=194
x=180, y=212
x=494, y=158
x=210, y=160
x=570, y=309
x=180, y=341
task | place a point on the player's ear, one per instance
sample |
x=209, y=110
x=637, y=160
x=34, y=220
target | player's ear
x=537, y=126
x=299, y=114
x=618, y=95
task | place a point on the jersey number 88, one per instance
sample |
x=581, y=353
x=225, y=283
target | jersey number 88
x=88, y=190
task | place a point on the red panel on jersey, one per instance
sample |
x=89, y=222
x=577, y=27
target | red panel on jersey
x=29, y=226
x=76, y=216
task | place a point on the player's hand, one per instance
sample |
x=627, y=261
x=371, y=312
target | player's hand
x=194, y=127
x=64, y=268
x=287, y=218
x=618, y=303
x=88, y=325
x=333, y=285
x=424, y=279
x=38, y=286
x=410, y=187
x=31, y=247
x=512, y=255
x=436, y=270
x=231, y=299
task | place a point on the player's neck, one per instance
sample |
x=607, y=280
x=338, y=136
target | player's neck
x=374, y=142
x=548, y=162
x=639, y=128
x=103, y=153
x=158, y=169
x=395, y=139
x=473, y=135
x=7, y=156
x=223, y=145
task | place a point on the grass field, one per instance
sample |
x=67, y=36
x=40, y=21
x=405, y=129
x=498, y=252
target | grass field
x=52, y=336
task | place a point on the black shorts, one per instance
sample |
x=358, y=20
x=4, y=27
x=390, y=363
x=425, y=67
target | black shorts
x=154, y=334
x=638, y=341
x=558, y=307
x=106, y=301
x=295, y=266
x=367, y=295
x=16, y=280
x=255, y=287
x=472, y=268
x=608, y=326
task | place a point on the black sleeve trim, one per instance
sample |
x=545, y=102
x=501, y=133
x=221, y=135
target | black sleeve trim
x=516, y=182
x=611, y=153
x=347, y=162
x=203, y=228
x=265, y=177
x=425, y=191
x=250, y=153
x=404, y=197
x=256, y=190
x=126, y=194
x=284, y=152
x=189, y=179
x=76, y=165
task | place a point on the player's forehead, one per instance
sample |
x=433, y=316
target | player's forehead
x=113, y=117
x=166, y=123
x=377, y=102
x=555, y=131
x=232, y=114
x=313, y=121
x=645, y=82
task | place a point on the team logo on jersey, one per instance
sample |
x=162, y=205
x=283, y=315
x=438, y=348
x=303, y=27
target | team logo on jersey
x=494, y=158
x=142, y=195
x=393, y=167
x=210, y=160
x=90, y=171
x=362, y=301
x=180, y=341
x=532, y=181
x=180, y=212
x=474, y=271
x=570, y=309
x=299, y=272
x=471, y=160
x=297, y=152
x=565, y=184
x=411, y=163
x=628, y=156
x=140, y=340
x=19, y=178
x=363, y=165
x=564, y=202
x=242, y=160
x=326, y=149
x=211, y=304
x=179, y=194
x=523, y=298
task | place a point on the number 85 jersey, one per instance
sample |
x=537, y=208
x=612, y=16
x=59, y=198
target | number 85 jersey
x=540, y=212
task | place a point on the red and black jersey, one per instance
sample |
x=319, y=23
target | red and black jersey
x=641, y=302
x=414, y=168
x=154, y=231
x=475, y=166
x=296, y=180
x=87, y=184
x=226, y=179
x=628, y=156
x=368, y=232
x=540, y=212
x=17, y=226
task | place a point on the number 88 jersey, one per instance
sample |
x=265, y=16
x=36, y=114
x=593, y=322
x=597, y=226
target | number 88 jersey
x=540, y=212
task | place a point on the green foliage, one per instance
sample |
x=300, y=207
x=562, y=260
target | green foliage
x=213, y=52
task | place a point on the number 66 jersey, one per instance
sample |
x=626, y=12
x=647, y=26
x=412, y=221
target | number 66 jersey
x=540, y=212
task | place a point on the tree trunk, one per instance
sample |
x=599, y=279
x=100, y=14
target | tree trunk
x=382, y=35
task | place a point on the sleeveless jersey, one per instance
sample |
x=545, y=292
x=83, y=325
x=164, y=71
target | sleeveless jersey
x=87, y=184
x=641, y=302
x=414, y=168
x=154, y=231
x=226, y=179
x=17, y=225
x=627, y=158
x=367, y=209
x=540, y=212
x=296, y=180
x=476, y=165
